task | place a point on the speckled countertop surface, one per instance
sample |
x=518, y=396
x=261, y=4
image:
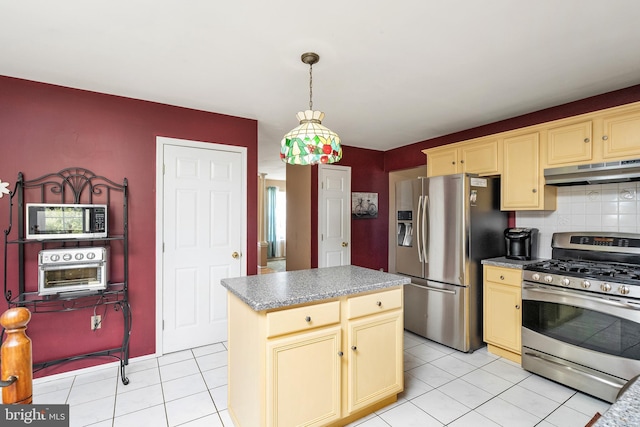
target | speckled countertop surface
x=266, y=291
x=625, y=411
x=509, y=263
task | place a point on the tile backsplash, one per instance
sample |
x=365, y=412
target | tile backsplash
x=597, y=207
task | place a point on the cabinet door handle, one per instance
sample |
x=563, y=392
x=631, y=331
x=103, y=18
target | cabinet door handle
x=340, y=353
x=534, y=190
x=501, y=277
x=235, y=255
x=453, y=163
x=605, y=137
x=308, y=318
x=354, y=348
x=379, y=303
x=517, y=306
x=461, y=161
x=587, y=140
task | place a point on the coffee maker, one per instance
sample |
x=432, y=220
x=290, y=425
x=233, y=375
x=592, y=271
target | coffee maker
x=521, y=243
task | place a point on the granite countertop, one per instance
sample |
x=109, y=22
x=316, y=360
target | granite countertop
x=274, y=290
x=625, y=411
x=510, y=263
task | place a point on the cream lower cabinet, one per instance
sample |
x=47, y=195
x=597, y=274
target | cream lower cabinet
x=502, y=301
x=320, y=364
x=303, y=378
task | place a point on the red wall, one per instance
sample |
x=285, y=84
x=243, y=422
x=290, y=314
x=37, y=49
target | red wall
x=46, y=128
x=369, y=238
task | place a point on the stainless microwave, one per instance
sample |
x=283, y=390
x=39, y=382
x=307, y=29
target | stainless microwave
x=47, y=221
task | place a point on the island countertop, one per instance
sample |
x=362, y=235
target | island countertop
x=275, y=290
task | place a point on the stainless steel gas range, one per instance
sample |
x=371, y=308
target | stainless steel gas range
x=581, y=312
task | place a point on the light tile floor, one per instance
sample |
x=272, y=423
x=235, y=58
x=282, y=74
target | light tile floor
x=443, y=387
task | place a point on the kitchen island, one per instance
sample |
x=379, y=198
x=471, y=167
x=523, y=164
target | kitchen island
x=318, y=347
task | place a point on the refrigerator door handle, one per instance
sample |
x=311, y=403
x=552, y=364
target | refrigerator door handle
x=425, y=228
x=418, y=228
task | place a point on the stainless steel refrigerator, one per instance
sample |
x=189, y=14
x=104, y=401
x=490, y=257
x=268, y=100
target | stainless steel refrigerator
x=446, y=226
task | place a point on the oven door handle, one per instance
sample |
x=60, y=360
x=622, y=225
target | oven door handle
x=48, y=267
x=573, y=368
x=596, y=300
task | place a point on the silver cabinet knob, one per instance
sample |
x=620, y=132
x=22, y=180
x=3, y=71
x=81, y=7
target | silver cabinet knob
x=354, y=348
x=379, y=303
x=518, y=307
x=587, y=140
x=605, y=137
x=534, y=190
x=340, y=353
x=307, y=319
x=501, y=277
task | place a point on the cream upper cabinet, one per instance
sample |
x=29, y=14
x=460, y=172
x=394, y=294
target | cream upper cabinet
x=502, y=299
x=442, y=161
x=522, y=185
x=570, y=144
x=621, y=135
x=479, y=156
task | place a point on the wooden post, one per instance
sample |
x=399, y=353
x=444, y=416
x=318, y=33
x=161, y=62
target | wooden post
x=15, y=357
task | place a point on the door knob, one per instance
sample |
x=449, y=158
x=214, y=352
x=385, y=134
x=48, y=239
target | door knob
x=235, y=255
x=345, y=244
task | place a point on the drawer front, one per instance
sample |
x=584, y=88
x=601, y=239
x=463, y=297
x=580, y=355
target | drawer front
x=302, y=318
x=374, y=303
x=508, y=276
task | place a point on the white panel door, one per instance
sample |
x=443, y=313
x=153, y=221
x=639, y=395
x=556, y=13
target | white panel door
x=334, y=216
x=203, y=242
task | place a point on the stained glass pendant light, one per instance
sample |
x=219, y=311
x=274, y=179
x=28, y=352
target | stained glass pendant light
x=310, y=143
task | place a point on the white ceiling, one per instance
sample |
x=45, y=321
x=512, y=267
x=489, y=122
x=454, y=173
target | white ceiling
x=391, y=73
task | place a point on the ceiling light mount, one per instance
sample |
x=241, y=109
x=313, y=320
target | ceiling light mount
x=310, y=143
x=310, y=58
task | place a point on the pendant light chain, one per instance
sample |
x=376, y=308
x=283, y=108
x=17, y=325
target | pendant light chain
x=310, y=86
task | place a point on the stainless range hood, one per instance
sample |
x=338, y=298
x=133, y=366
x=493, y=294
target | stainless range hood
x=595, y=173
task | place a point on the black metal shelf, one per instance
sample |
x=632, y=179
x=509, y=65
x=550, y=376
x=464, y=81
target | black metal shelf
x=71, y=185
x=63, y=241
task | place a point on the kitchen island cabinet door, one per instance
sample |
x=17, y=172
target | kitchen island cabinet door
x=375, y=359
x=502, y=299
x=303, y=378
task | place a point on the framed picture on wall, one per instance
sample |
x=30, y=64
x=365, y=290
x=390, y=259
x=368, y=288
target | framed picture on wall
x=364, y=205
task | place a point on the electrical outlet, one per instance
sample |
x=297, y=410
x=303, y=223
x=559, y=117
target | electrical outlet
x=96, y=322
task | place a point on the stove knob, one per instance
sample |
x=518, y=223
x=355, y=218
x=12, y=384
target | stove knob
x=67, y=257
x=565, y=282
x=586, y=284
x=55, y=257
x=605, y=287
x=91, y=255
x=79, y=256
x=624, y=290
x=548, y=279
x=535, y=276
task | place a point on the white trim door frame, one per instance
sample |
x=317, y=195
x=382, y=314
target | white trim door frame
x=161, y=144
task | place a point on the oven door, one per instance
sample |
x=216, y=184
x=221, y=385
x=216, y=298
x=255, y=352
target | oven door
x=587, y=342
x=54, y=279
